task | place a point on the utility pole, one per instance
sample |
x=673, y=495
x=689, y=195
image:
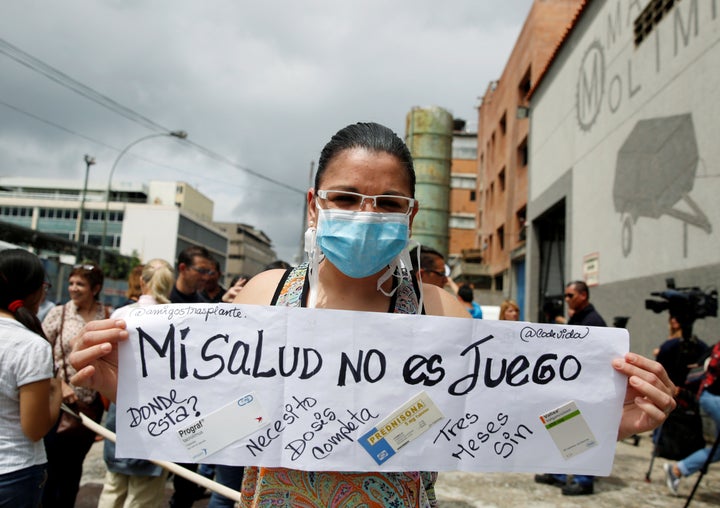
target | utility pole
x=89, y=161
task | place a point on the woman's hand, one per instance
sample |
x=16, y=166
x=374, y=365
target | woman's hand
x=231, y=293
x=95, y=356
x=68, y=394
x=649, y=397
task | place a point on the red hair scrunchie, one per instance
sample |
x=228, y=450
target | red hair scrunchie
x=15, y=305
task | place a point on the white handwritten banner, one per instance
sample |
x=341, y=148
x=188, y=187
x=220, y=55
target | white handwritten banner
x=318, y=389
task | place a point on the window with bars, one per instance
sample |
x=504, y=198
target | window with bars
x=650, y=17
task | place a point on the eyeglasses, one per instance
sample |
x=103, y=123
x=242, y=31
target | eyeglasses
x=204, y=271
x=345, y=200
x=89, y=268
x=436, y=272
x=46, y=286
x=569, y=295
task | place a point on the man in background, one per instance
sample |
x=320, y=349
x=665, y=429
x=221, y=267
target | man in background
x=431, y=269
x=583, y=313
x=213, y=291
x=465, y=295
x=194, y=268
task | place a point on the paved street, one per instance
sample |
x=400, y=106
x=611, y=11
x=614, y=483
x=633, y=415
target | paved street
x=625, y=487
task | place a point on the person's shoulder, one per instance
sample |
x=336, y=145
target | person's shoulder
x=17, y=337
x=176, y=296
x=439, y=302
x=669, y=345
x=599, y=321
x=260, y=289
x=704, y=345
x=54, y=312
x=589, y=316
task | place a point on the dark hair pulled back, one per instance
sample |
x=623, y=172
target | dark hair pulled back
x=370, y=136
x=21, y=274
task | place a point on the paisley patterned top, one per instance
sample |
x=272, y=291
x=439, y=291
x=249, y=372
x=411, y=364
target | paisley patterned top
x=293, y=288
x=280, y=487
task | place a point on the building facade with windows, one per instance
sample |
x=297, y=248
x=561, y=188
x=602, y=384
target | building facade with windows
x=157, y=219
x=249, y=249
x=503, y=133
x=464, y=257
x=462, y=221
x=624, y=161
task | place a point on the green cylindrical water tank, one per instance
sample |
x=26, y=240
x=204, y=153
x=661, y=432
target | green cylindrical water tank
x=429, y=134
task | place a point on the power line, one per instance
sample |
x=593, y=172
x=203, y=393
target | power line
x=222, y=158
x=101, y=143
x=63, y=79
x=66, y=81
x=56, y=125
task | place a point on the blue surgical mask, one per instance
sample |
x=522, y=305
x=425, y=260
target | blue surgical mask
x=361, y=244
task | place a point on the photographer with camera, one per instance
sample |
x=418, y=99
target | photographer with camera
x=679, y=354
x=580, y=312
x=681, y=434
x=710, y=402
x=683, y=350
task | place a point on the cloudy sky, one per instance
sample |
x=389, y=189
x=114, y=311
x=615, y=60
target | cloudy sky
x=261, y=84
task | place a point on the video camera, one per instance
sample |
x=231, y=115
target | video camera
x=686, y=304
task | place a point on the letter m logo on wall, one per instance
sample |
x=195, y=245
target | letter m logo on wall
x=590, y=86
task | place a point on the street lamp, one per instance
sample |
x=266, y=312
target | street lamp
x=89, y=161
x=175, y=134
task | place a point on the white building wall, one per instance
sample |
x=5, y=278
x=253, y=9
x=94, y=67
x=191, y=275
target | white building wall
x=150, y=231
x=616, y=129
x=587, y=107
x=182, y=195
x=195, y=202
x=162, y=193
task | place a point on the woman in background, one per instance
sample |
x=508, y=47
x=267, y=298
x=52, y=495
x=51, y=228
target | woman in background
x=66, y=452
x=136, y=483
x=134, y=289
x=29, y=393
x=509, y=311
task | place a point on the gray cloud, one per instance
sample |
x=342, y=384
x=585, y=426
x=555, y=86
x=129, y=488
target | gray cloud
x=265, y=84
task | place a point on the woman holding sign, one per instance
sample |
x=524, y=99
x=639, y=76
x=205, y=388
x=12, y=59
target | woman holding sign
x=360, y=212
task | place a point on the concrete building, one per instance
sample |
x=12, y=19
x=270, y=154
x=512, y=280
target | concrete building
x=249, y=249
x=462, y=224
x=623, y=161
x=502, y=152
x=464, y=257
x=157, y=219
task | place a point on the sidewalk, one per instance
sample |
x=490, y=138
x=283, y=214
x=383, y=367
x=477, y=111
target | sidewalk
x=625, y=487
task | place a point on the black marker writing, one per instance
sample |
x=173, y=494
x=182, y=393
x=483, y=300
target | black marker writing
x=221, y=353
x=513, y=372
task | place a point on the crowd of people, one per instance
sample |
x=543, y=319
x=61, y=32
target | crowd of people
x=360, y=213
x=41, y=459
